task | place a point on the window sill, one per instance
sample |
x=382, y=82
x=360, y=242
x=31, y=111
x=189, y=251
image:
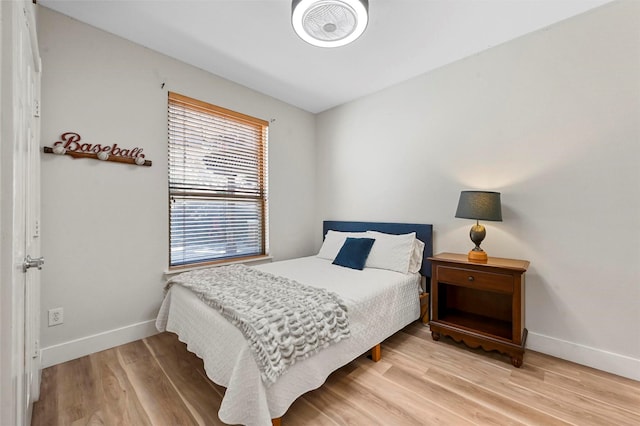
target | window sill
x=259, y=259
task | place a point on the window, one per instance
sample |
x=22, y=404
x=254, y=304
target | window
x=217, y=183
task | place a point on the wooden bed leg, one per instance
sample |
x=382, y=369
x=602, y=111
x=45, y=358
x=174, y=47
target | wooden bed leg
x=376, y=353
x=277, y=421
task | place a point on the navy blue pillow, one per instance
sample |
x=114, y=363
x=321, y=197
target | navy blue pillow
x=354, y=253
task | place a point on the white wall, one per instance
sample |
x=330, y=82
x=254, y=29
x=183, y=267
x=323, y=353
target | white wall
x=552, y=121
x=105, y=224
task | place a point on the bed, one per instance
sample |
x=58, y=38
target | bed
x=380, y=302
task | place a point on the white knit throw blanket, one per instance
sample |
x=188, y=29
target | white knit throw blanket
x=283, y=320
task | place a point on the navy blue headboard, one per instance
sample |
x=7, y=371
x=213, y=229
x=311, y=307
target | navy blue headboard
x=423, y=232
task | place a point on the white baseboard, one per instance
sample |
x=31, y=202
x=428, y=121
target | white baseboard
x=610, y=362
x=602, y=360
x=73, y=349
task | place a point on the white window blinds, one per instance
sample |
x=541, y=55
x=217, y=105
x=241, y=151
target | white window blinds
x=217, y=183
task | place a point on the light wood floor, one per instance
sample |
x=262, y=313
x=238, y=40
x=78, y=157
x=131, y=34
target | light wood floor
x=155, y=381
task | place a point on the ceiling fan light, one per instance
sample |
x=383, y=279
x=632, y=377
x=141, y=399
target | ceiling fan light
x=329, y=23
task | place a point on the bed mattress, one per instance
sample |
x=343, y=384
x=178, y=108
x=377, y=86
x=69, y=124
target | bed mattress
x=379, y=303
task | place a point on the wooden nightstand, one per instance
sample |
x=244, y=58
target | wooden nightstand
x=481, y=304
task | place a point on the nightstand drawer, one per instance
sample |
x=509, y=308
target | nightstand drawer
x=491, y=281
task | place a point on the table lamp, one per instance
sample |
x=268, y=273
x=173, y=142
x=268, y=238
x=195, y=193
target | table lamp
x=479, y=205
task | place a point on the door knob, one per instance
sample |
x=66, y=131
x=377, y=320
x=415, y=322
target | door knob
x=32, y=263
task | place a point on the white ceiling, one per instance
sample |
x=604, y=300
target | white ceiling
x=251, y=42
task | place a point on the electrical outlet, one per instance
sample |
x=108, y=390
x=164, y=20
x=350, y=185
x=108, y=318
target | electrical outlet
x=56, y=316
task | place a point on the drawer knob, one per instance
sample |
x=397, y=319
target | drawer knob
x=470, y=278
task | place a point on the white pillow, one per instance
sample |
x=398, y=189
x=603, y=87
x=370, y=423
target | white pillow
x=392, y=252
x=333, y=242
x=416, y=256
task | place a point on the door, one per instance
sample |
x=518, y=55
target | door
x=31, y=177
x=20, y=211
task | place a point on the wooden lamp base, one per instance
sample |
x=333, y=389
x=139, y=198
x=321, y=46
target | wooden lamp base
x=477, y=234
x=478, y=256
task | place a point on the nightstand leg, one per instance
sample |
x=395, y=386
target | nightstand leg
x=516, y=361
x=435, y=335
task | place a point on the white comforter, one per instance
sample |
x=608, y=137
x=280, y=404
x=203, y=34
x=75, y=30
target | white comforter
x=379, y=303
